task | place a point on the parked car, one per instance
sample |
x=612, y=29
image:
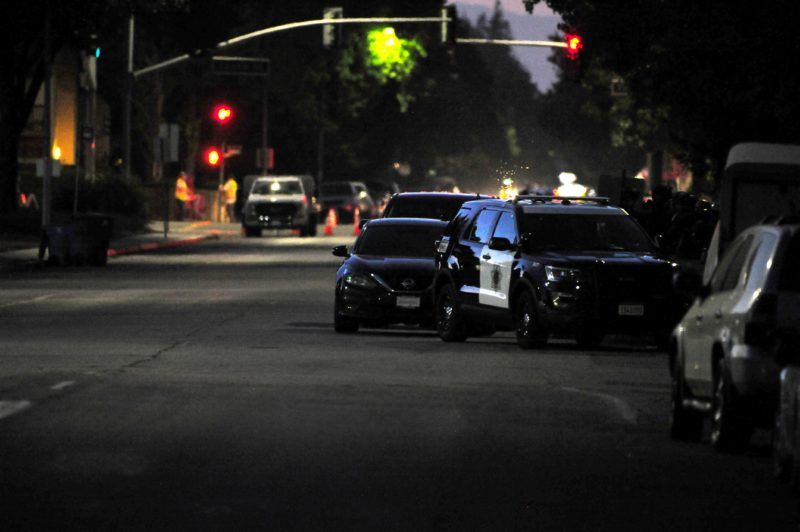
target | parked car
x=723, y=353
x=435, y=205
x=345, y=197
x=575, y=266
x=381, y=192
x=280, y=202
x=387, y=276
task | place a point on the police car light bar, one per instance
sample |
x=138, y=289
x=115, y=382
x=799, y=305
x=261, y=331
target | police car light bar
x=602, y=200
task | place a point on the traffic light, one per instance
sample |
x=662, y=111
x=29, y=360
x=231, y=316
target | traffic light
x=574, y=46
x=222, y=114
x=449, y=24
x=213, y=156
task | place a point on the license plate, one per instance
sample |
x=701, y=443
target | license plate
x=631, y=310
x=408, y=301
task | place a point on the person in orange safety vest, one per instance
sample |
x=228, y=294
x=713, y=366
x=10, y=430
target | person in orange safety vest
x=182, y=194
x=230, y=188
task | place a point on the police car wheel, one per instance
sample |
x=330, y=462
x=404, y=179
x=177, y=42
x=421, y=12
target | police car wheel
x=449, y=324
x=529, y=333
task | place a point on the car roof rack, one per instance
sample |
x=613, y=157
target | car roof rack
x=564, y=200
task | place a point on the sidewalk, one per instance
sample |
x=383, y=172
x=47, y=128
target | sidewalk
x=180, y=234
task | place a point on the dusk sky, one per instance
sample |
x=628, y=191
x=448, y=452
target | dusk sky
x=541, y=26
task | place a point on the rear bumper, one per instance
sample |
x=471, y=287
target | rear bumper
x=754, y=371
x=382, y=307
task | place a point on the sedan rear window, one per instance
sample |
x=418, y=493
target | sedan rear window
x=436, y=208
x=398, y=241
x=591, y=232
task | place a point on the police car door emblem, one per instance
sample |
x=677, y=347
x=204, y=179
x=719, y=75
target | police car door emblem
x=496, y=275
x=408, y=284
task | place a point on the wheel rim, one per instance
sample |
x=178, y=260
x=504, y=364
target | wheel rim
x=524, y=325
x=446, y=311
x=719, y=404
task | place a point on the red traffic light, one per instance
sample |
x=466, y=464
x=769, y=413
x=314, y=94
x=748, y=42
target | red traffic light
x=222, y=114
x=574, y=45
x=213, y=156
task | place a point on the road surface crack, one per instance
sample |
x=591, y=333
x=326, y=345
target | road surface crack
x=155, y=356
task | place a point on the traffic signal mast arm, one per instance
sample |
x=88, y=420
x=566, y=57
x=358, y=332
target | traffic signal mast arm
x=333, y=21
x=287, y=27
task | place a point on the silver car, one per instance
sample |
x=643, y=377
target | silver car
x=722, y=356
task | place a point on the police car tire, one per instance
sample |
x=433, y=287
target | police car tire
x=453, y=329
x=529, y=334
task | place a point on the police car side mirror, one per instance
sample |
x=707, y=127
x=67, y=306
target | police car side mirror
x=340, y=251
x=499, y=243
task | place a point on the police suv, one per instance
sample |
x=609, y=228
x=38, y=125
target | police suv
x=545, y=265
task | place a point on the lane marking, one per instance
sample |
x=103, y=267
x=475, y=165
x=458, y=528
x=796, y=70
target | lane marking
x=62, y=385
x=27, y=301
x=9, y=408
x=624, y=409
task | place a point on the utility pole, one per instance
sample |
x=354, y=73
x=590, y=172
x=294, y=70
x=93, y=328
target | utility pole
x=126, y=156
x=48, y=119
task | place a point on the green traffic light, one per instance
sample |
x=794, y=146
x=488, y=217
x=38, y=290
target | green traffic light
x=97, y=52
x=393, y=56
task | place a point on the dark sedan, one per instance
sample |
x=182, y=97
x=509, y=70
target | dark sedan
x=387, y=276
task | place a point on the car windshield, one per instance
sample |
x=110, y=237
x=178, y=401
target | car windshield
x=594, y=232
x=436, y=208
x=398, y=241
x=275, y=187
x=338, y=189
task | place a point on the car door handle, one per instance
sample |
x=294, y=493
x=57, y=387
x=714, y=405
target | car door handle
x=698, y=317
x=486, y=257
x=718, y=314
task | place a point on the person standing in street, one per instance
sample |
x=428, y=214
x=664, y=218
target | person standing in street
x=230, y=188
x=181, y=194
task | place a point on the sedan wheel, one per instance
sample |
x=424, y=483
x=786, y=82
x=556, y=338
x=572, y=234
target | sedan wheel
x=728, y=431
x=343, y=324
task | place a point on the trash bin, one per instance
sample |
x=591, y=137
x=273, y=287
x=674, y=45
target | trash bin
x=57, y=244
x=91, y=235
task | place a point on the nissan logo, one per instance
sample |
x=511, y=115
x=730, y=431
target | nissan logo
x=408, y=284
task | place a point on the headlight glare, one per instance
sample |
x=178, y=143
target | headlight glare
x=561, y=274
x=360, y=280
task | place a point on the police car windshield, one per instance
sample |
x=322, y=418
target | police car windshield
x=591, y=232
x=275, y=186
x=398, y=241
x=437, y=208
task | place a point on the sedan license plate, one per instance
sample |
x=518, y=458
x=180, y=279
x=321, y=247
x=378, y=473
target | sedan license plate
x=408, y=301
x=631, y=310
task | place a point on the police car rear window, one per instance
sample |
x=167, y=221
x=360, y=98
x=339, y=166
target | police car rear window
x=591, y=232
x=398, y=241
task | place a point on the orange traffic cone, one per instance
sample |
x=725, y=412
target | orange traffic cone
x=330, y=222
x=356, y=222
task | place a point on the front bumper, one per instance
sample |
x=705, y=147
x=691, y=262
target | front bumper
x=564, y=309
x=275, y=222
x=382, y=306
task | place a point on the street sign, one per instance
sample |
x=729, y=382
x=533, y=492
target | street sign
x=224, y=65
x=233, y=149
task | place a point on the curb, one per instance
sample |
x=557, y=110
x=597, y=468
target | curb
x=153, y=246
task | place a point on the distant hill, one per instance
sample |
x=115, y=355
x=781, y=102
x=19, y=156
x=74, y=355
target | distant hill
x=528, y=27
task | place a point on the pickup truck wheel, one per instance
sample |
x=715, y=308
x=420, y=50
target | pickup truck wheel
x=530, y=335
x=343, y=324
x=684, y=424
x=729, y=433
x=449, y=322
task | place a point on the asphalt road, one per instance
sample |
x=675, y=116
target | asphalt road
x=204, y=388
